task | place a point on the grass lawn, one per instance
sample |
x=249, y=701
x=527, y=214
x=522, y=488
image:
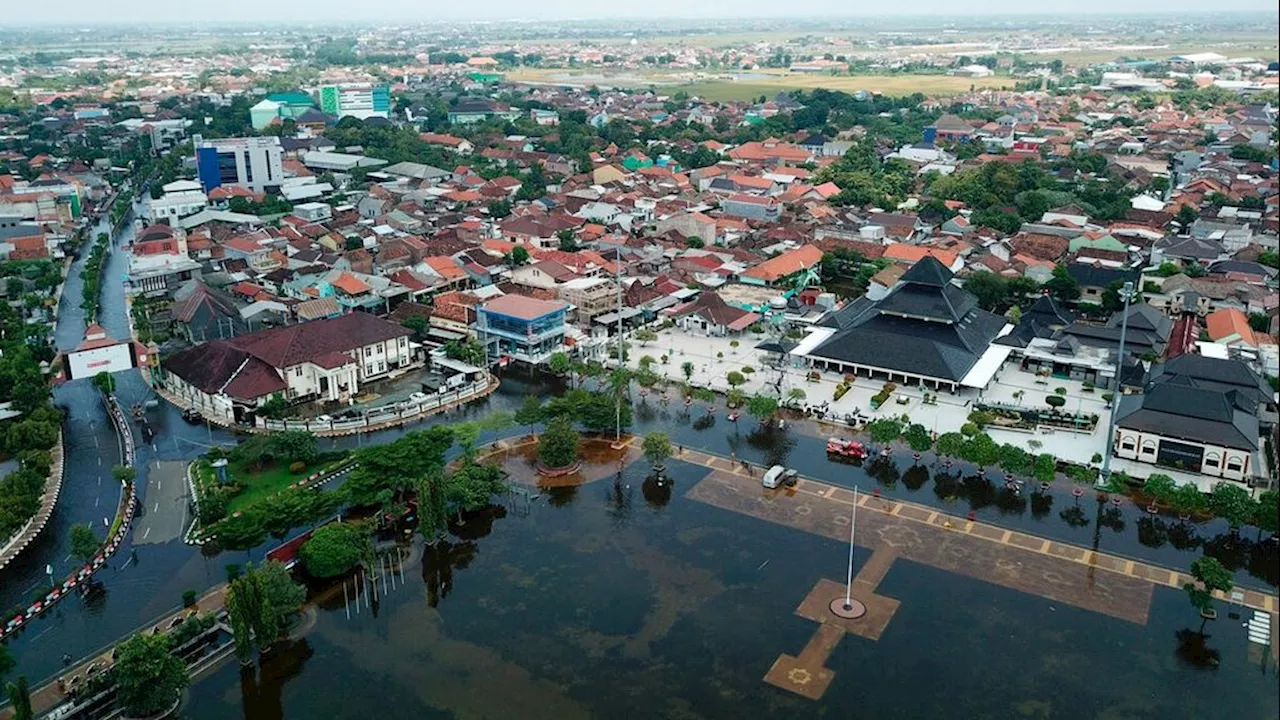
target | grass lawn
x=761, y=82
x=259, y=484
x=724, y=90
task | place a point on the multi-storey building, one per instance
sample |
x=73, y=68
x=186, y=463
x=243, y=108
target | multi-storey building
x=361, y=100
x=253, y=162
x=519, y=328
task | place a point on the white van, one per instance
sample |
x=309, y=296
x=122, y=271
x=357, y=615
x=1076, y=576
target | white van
x=777, y=476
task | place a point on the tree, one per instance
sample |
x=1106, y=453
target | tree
x=519, y=256
x=7, y=663
x=657, y=448
x=1186, y=217
x=467, y=351
x=884, y=430
x=567, y=241
x=762, y=407
x=1209, y=575
x=104, y=382
x=559, y=363
x=796, y=394
x=499, y=208
x=294, y=446
x=1045, y=467
x=278, y=587
x=1231, y=503
x=335, y=549
x=397, y=466
x=950, y=444
x=148, y=676
x=917, y=437
x=558, y=446
x=1160, y=487
x=735, y=378
x=1259, y=322
x=472, y=486
x=1266, y=514
x=20, y=699
x=417, y=323
x=84, y=542
x=686, y=367
x=276, y=407
x=123, y=474
x=1015, y=460
x=981, y=450
x=1187, y=499
x=694, y=242
x=644, y=336
x=989, y=289
x=530, y=412
x=1062, y=285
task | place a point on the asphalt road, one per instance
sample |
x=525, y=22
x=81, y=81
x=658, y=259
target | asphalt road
x=165, y=513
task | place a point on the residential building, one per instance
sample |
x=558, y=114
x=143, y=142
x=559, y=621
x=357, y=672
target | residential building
x=710, y=315
x=181, y=198
x=360, y=100
x=589, y=296
x=752, y=207
x=784, y=267
x=323, y=360
x=253, y=163
x=522, y=329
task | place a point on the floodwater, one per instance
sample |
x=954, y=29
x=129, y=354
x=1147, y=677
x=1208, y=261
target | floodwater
x=616, y=601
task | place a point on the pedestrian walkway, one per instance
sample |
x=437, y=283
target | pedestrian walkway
x=48, y=501
x=1055, y=557
x=50, y=695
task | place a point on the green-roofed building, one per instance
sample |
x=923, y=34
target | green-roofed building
x=1105, y=242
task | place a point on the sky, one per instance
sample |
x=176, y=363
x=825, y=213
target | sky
x=391, y=11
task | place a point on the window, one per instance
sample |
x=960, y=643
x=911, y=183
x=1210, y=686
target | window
x=1234, y=465
x=379, y=348
x=403, y=342
x=1148, y=447
x=297, y=372
x=381, y=366
x=368, y=352
x=1126, y=444
x=1211, y=460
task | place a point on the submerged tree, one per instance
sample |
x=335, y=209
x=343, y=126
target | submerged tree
x=657, y=448
x=1209, y=575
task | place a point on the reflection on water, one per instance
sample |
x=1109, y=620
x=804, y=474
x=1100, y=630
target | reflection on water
x=261, y=685
x=604, y=606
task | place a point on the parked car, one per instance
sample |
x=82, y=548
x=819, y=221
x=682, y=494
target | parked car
x=417, y=398
x=777, y=476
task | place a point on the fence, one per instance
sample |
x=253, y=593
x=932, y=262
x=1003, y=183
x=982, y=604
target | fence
x=384, y=416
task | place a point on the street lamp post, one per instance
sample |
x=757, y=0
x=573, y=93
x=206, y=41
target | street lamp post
x=1126, y=294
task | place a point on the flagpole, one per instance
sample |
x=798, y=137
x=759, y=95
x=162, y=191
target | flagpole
x=853, y=523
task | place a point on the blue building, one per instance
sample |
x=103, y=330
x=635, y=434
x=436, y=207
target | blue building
x=519, y=328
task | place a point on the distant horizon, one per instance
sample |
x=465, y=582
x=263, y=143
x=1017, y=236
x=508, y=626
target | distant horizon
x=241, y=13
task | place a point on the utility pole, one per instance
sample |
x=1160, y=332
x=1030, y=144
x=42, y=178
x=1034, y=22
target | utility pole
x=1126, y=294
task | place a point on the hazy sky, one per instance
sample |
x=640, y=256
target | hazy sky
x=391, y=11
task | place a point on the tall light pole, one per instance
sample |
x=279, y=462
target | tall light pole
x=1126, y=294
x=617, y=280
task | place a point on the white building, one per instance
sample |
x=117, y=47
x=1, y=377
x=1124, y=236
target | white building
x=181, y=198
x=252, y=162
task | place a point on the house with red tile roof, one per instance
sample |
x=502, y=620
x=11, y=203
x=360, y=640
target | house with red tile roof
x=326, y=361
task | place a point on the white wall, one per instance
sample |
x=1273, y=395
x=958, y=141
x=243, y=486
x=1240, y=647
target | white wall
x=1145, y=447
x=88, y=363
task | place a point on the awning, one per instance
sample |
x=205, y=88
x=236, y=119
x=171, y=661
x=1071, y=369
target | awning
x=813, y=340
x=979, y=376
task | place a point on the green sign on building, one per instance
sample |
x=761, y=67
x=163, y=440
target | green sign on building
x=330, y=103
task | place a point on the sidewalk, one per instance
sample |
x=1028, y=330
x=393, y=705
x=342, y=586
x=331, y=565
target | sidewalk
x=49, y=696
